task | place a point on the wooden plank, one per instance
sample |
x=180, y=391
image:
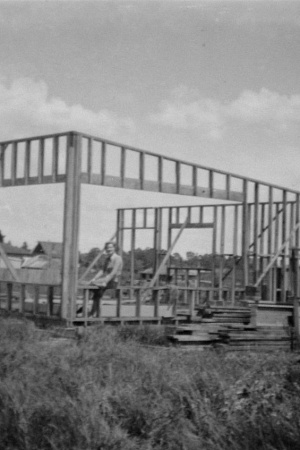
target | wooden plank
x=103, y=163
x=36, y=300
x=235, y=241
x=222, y=249
x=27, y=162
x=138, y=303
x=228, y=186
x=41, y=156
x=283, y=237
x=194, y=180
x=211, y=183
x=132, y=247
x=193, y=225
x=90, y=160
x=54, y=159
x=123, y=165
x=71, y=227
x=160, y=173
x=177, y=176
x=297, y=241
x=142, y=170
x=50, y=302
x=271, y=295
x=9, y=287
x=245, y=233
x=214, y=250
x=13, y=164
x=22, y=298
x=255, y=230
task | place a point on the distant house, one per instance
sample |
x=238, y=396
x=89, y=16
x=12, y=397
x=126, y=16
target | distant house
x=45, y=255
x=15, y=254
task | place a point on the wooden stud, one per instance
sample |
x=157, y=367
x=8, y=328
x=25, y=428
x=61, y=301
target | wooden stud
x=14, y=163
x=245, y=233
x=138, y=303
x=222, y=247
x=27, y=162
x=255, y=230
x=2, y=162
x=50, y=301
x=55, y=159
x=86, y=298
x=90, y=159
x=71, y=227
x=36, y=299
x=156, y=301
x=132, y=255
x=103, y=163
x=228, y=186
x=297, y=240
x=160, y=174
x=119, y=303
x=22, y=298
x=235, y=242
x=214, y=250
x=194, y=180
x=9, y=296
x=142, y=170
x=177, y=176
x=41, y=157
x=211, y=183
x=271, y=295
x=283, y=238
x=123, y=165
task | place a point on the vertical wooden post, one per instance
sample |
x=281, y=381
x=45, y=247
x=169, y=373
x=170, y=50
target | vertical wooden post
x=276, y=234
x=142, y=170
x=222, y=250
x=297, y=240
x=71, y=227
x=41, y=160
x=27, y=162
x=50, y=298
x=138, y=303
x=103, y=162
x=228, y=186
x=14, y=153
x=22, y=298
x=177, y=177
x=36, y=300
x=214, y=249
x=90, y=159
x=255, y=230
x=55, y=159
x=271, y=295
x=9, y=296
x=235, y=240
x=132, y=256
x=160, y=174
x=2, y=155
x=123, y=165
x=283, y=258
x=194, y=180
x=245, y=233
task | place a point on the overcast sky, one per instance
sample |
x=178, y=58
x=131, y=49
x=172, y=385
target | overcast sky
x=212, y=82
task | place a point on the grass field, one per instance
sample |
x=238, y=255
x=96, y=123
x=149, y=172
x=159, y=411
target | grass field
x=110, y=391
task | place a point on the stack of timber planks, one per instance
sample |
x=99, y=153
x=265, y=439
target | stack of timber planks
x=230, y=329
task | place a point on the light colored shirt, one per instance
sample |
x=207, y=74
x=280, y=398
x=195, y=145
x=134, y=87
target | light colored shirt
x=113, y=268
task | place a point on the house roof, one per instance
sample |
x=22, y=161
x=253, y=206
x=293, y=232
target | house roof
x=51, y=249
x=15, y=251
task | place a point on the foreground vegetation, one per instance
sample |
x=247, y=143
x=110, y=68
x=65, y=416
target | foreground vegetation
x=108, y=391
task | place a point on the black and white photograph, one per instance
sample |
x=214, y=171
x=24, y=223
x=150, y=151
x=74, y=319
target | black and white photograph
x=149, y=224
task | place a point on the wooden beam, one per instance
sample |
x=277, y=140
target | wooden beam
x=71, y=227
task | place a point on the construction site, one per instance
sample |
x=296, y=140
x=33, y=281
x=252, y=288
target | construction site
x=248, y=297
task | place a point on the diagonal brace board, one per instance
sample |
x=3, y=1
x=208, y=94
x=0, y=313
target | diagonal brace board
x=168, y=254
x=277, y=254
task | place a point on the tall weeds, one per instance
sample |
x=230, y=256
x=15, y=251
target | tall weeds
x=107, y=391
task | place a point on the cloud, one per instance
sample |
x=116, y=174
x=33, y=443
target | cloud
x=214, y=118
x=26, y=108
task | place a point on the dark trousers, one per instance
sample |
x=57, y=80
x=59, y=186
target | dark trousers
x=98, y=294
